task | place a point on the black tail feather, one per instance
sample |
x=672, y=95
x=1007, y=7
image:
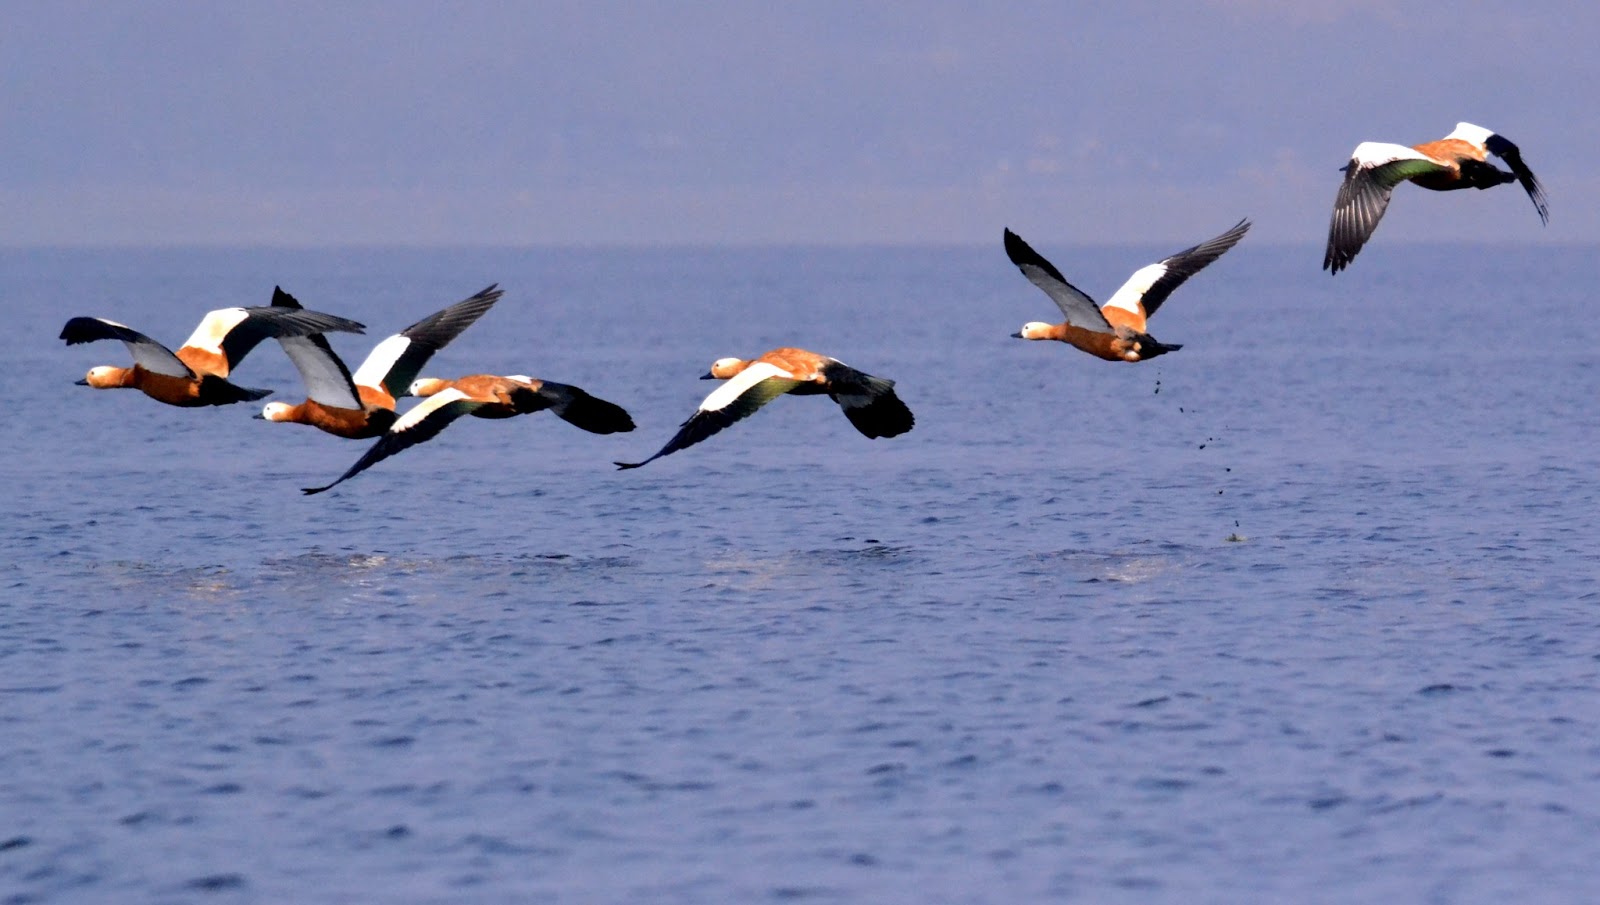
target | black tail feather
x=1150, y=347
x=220, y=391
x=578, y=408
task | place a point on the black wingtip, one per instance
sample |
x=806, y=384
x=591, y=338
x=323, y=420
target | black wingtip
x=1506, y=150
x=1022, y=255
x=596, y=416
x=83, y=330
x=1536, y=195
x=1016, y=248
x=624, y=466
x=287, y=320
x=308, y=491
x=1335, y=260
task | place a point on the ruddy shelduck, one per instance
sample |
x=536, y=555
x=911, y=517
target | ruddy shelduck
x=1457, y=161
x=486, y=396
x=197, y=374
x=1115, y=331
x=361, y=405
x=869, y=402
x=518, y=394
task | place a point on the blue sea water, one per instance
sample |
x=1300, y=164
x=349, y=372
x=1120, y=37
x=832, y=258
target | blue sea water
x=1305, y=612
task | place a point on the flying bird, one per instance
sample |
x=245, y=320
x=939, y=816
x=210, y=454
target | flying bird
x=507, y=397
x=1457, y=161
x=869, y=402
x=361, y=405
x=1116, y=330
x=485, y=396
x=197, y=374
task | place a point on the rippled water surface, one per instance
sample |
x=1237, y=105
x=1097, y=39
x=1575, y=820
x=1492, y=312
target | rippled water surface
x=1304, y=612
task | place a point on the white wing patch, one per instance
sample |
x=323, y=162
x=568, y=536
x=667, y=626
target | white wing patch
x=1128, y=298
x=1467, y=132
x=382, y=358
x=422, y=410
x=1371, y=154
x=215, y=327
x=740, y=384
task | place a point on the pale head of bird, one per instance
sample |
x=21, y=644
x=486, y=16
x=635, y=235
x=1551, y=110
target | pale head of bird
x=1033, y=330
x=277, y=411
x=104, y=377
x=426, y=386
x=723, y=368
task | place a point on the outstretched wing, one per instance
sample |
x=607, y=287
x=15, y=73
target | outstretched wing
x=326, y=378
x=227, y=335
x=1149, y=286
x=1369, y=179
x=1500, y=147
x=422, y=423
x=749, y=390
x=146, y=352
x=394, y=363
x=1080, y=310
x=580, y=409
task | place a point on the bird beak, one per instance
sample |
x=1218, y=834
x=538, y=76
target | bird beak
x=259, y=417
x=1017, y=335
x=708, y=376
x=81, y=383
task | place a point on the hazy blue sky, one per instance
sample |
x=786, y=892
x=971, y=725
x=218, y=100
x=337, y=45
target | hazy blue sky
x=727, y=120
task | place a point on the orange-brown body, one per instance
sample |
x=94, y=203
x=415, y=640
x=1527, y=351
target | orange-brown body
x=1122, y=317
x=185, y=392
x=1109, y=346
x=374, y=397
x=503, y=397
x=494, y=396
x=1448, y=151
x=371, y=420
x=352, y=424
x=804, y=365
x=180, y=391
x=493, y=387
